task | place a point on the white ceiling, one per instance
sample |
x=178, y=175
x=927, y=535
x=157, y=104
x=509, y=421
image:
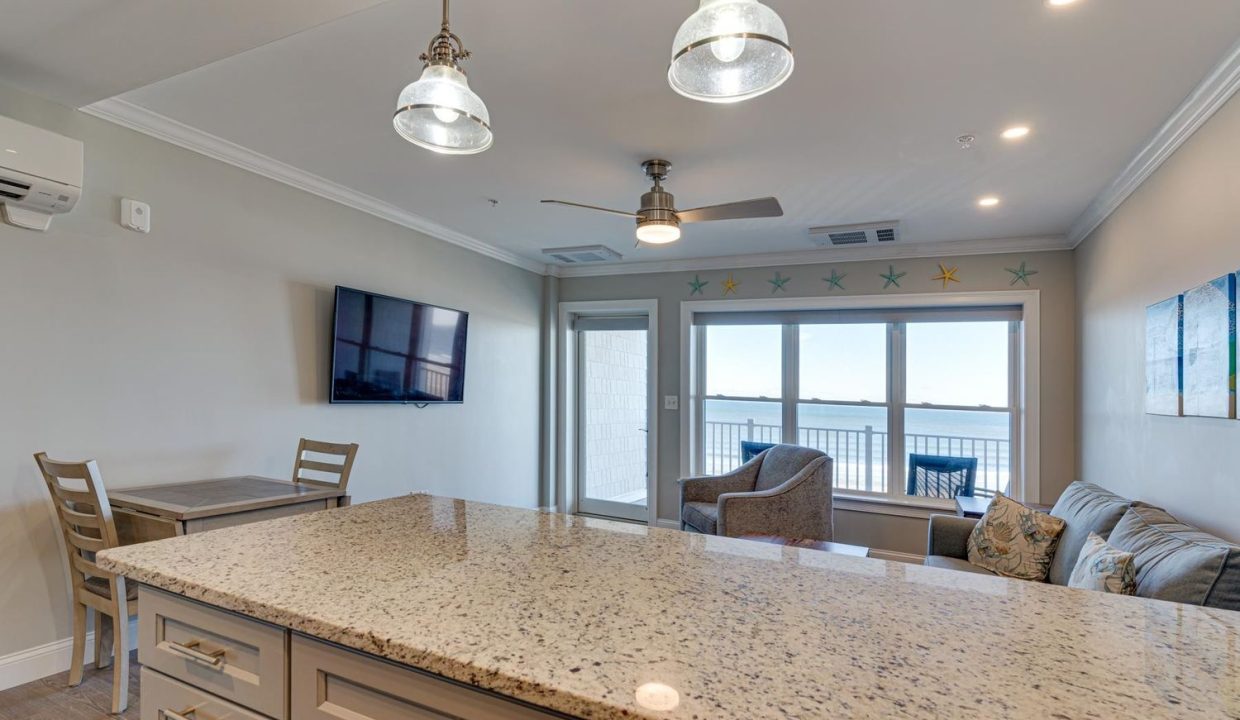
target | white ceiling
x=80, y=51
x=863, y=131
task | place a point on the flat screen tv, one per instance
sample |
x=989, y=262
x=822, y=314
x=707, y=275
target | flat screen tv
x=388, y=350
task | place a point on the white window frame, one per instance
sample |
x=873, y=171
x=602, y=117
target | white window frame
x=1023, y=395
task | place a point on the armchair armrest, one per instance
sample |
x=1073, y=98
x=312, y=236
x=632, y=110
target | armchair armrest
x=708, y=488
x=949, y=536
x=799, y=508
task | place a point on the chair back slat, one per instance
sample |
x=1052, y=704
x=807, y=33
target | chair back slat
x=336, y=474
x=938, y=476
x=84, y=514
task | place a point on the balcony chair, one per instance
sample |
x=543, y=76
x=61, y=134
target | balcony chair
x=937, y=476
x=785, y=491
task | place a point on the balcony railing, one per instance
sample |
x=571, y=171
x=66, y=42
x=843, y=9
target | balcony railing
x=860, y=456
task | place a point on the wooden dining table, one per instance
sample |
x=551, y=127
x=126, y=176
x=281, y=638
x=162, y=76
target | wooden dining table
x=160, y=511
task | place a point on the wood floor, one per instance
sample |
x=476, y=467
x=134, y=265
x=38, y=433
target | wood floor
x=52, y=699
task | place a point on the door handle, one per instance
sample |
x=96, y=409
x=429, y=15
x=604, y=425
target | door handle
x=190, y=650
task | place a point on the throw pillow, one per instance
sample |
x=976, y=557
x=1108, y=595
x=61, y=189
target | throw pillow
x=1102, y=567
x=1015, y=541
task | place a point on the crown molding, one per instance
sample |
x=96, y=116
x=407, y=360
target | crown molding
x=1205, y=100
x=821, y=255
x=140, y=119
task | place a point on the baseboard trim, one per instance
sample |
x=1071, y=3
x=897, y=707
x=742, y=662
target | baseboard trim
x=39, y=662
x=667, y=524
x=910, y=558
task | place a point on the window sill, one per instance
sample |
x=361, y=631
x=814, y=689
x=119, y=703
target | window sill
x=921, y=509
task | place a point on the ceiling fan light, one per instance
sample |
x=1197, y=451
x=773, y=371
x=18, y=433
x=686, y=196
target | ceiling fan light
x=658, y=233
x=441, y=113
x=729, y=51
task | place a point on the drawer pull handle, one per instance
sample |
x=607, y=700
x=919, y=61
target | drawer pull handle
x=190, y=650
x=183, y=715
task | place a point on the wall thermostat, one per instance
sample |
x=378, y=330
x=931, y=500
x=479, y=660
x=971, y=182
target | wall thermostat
x=136, y=215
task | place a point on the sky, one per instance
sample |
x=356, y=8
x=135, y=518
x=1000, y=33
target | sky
x=962, y=363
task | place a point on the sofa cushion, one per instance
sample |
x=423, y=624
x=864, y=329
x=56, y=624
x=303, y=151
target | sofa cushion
x=951, y=563
x=703, y=517
x=1085, y=508
x=1178, y=562
x=1015, y=541
x=1103, y=568
x=781, y=462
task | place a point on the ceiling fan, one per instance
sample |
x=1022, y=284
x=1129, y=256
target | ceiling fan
x=658, y=220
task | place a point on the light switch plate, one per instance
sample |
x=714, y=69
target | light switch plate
x=671, y=402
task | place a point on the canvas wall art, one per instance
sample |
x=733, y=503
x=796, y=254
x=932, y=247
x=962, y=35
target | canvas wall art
x=1209, y=349
x=1163, y=358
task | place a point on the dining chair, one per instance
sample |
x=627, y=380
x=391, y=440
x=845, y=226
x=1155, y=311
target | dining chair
x=327, y=474
x=940, y=476
x=86, y=523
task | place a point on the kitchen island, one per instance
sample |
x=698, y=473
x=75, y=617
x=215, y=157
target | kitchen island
x=596, y=619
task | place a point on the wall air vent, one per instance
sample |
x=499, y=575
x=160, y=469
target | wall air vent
x=853, y=235
x=581, y=254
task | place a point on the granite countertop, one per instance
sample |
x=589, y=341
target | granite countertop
x=608, y=620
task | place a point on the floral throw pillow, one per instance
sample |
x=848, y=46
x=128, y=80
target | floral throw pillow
x=1102, y=567
x=1015, y=541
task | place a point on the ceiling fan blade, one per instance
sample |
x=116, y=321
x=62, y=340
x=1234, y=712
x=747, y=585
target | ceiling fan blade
x=592, y=207
x=760, y=208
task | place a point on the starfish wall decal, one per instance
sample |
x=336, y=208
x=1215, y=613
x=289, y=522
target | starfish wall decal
x=946, y=275
x=835, y=281
x=1021, y=274
x=778, y=283
x=730, y=285
x=892, y=277
x=696, y=285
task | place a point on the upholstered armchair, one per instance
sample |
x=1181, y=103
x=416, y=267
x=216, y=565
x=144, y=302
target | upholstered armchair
x=785, y=491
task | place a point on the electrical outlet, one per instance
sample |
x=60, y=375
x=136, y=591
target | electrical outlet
x=671, y=402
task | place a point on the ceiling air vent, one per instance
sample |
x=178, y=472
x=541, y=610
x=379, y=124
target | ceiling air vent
x=582, y=254
x=852, y=235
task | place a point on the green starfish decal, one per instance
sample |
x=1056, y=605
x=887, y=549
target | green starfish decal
x=1021, y=274
x=834, y=282
x=697, y=284
x=892, y=277
x=778, y=283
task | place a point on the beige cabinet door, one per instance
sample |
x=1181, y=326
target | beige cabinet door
x=332, y=683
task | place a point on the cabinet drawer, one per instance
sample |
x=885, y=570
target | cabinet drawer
x=330, y=683
x=166, y=699
x=241, y=660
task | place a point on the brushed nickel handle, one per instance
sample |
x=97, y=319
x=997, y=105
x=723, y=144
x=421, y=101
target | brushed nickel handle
x=183, y=715
x=190, y=650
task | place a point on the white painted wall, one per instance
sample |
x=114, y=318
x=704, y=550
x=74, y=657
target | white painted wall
x=202, y=349
x=1178, y=230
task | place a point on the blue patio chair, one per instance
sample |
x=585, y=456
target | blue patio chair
x=751, y=449
x=939, y=476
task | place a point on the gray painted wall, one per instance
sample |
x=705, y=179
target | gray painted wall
x=202, y=349
x=1178, y=230
x=979, y=272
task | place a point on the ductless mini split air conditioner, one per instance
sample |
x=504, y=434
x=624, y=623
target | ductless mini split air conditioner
x=40, y=174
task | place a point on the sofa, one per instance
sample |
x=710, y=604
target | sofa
x=1174, y=561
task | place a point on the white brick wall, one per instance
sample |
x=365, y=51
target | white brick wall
x=615, y=412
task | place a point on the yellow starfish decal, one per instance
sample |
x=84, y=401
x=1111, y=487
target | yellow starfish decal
x=730, y=285
x=947, y=276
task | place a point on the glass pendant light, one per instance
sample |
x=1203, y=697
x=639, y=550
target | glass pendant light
x=729, y=51
x=439, y=112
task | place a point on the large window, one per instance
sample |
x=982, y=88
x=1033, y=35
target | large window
x=868, y=388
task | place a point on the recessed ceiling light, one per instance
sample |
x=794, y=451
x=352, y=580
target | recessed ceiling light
x=1015, y=132
x=988, y=202
x=1059, y=3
